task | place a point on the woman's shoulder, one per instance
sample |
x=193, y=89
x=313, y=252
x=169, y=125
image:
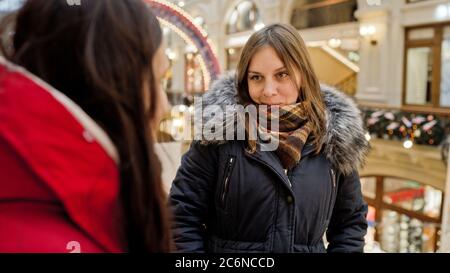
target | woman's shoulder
x=344, y=140
x=65, y=155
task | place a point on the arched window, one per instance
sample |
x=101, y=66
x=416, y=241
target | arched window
x=245, y=16
x=314, y=13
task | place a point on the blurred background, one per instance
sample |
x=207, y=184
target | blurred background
x=391, y=56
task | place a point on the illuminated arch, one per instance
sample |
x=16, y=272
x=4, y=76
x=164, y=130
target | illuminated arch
x=183, y=24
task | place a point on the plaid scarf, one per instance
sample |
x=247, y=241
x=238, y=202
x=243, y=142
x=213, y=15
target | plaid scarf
x=294, y=129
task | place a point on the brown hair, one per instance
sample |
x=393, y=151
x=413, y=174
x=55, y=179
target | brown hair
x=291, y=49
x=100, y=54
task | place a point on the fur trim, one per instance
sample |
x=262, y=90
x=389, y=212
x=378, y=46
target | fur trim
x=345, y=144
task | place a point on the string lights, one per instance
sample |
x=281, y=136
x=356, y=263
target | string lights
x=179, y=21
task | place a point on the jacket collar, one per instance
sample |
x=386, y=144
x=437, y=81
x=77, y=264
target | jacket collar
x=345, y=144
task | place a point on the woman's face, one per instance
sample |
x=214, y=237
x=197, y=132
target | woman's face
x=269, y=81
x=160, y=66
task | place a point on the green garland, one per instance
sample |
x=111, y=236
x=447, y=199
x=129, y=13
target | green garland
x=425, y=129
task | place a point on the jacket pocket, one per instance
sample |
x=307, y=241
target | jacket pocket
x=226, y=180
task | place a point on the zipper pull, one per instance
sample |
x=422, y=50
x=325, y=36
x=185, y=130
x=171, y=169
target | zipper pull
x=227, y=179
x=333, y=178
x=225, y=190
x=289, y=181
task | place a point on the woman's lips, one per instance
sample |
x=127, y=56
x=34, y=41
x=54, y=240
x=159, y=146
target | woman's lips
x=272, y=103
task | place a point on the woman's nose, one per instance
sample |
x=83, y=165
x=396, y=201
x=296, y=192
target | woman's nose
x=270, y=89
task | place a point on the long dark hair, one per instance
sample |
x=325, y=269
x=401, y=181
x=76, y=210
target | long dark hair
x=100, y=54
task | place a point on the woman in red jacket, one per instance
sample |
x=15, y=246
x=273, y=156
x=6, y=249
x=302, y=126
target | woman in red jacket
x=80, y=95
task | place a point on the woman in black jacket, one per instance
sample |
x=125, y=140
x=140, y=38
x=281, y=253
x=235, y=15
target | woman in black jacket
x=235, y=196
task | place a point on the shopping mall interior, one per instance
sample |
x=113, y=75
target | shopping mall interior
x=391, y=56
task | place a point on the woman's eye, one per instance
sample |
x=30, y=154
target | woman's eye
x=255, y=78
x=283, y=75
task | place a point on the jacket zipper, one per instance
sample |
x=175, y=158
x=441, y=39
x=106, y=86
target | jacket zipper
x=288, y=178
x=227, y=179
x=333, y=178
x=330, y=207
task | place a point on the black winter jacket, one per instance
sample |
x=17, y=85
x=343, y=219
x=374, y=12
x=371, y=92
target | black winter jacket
x=227, y=200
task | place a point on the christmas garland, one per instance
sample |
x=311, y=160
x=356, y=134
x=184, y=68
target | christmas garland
x=423, y=129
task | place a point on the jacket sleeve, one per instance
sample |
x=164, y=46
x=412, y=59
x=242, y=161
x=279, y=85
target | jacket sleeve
x=191, y=197
x=348, y=224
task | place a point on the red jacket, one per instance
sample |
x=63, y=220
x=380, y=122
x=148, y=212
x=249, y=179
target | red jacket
x=59, y=181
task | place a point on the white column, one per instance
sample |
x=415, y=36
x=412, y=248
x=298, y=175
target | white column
x=178, y=68
x=216, y=29
x=396, y=55
x=375, y=77
x=217, y=37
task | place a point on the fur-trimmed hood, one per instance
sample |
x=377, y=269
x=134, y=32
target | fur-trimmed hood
x=345, y=144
